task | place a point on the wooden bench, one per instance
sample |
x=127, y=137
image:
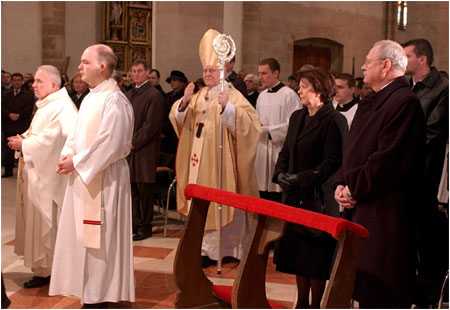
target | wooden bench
x=269, y=220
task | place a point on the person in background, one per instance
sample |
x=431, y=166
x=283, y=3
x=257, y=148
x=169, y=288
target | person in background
x=148, y=107
x=274, y=106
x=251, y=83
x=80, y=88
x=154, y=78
x=432, y=90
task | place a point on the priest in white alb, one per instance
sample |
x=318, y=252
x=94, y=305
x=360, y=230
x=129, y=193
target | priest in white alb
x=196, y=119
x=40, y=190
x=93, y=255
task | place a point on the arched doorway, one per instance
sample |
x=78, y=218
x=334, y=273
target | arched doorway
x=319, y=52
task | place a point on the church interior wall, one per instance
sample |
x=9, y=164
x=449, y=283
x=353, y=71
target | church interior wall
x=429, y=20
x=179, y=28
x=348, y=23
x=269, y=29
x=21, y=36
x=80, y=34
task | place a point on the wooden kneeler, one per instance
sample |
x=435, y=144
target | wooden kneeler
x=248, y=291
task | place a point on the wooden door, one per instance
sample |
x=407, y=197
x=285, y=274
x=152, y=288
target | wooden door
x=316, y=56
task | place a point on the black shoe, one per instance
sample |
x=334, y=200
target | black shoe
x=7, y=174
x=141, y=236
x=37, y=282
x=101, y=305
x=206, y=262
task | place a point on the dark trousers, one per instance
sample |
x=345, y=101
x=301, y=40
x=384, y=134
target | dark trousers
x=142, y=202
x=272, y=196
x=8, y=154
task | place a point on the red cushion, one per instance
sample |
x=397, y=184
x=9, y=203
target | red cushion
x=224, y=292
x=326, y=223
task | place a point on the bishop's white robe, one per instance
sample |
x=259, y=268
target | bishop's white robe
x=41, y=190
x=105, y=274
x=274, y=108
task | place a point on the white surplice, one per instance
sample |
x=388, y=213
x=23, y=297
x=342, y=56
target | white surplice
x=105, y=274
x=274, y=110
x=40, y=189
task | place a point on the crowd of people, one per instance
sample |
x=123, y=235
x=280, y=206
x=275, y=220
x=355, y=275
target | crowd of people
x=370, y=149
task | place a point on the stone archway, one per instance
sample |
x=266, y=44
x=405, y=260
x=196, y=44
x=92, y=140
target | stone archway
x=319, y=52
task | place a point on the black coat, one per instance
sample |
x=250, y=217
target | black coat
x=308, y=147
x=253, y=98
x=321, y=142
x=382, y=166
x=22, y=104
x=238, y=83
x=148, y=106
x=79, y=100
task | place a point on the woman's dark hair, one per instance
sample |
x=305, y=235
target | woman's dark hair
x=322, y=82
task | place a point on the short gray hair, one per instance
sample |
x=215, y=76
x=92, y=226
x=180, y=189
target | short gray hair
x=254, y=77
x=394, y=52
x=52, y=73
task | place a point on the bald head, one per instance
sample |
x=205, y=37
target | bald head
x=97, y=64
x=106, y=56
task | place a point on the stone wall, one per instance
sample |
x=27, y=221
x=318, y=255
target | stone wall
x=53, y=33
x=428, y=20
x=178, y=28
x=50, y=31
x=270, y=29
x=21, y=36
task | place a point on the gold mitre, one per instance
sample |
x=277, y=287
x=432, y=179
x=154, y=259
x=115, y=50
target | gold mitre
x=207, y=55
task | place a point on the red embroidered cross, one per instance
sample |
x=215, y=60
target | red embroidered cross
x=194, y=160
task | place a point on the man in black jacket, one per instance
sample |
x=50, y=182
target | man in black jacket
x=17, y=107
x=148, y=104
x=432, y=91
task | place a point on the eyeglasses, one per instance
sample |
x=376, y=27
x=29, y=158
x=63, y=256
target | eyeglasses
x=210, y=70
x=369, y=61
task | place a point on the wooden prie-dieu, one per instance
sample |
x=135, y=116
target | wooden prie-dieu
x=269, y=221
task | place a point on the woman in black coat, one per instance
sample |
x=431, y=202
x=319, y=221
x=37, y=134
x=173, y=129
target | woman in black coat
x=311, y=154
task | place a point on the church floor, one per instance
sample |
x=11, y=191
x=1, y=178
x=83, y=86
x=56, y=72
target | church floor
x=153, y=262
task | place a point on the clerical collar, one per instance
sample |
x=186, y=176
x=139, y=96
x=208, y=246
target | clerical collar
x=228, y=74
x=275, y=88
x=146, y=81
x=347, y=106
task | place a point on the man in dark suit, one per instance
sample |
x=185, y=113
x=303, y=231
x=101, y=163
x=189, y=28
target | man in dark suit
x=17, y=108
x=154, y=78
x=6, y=82
x=232, y=77
x=380, y=180
x=148, y=105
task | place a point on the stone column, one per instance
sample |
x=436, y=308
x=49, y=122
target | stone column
x=251, y=36
x=53, y=34
x=232, y=25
